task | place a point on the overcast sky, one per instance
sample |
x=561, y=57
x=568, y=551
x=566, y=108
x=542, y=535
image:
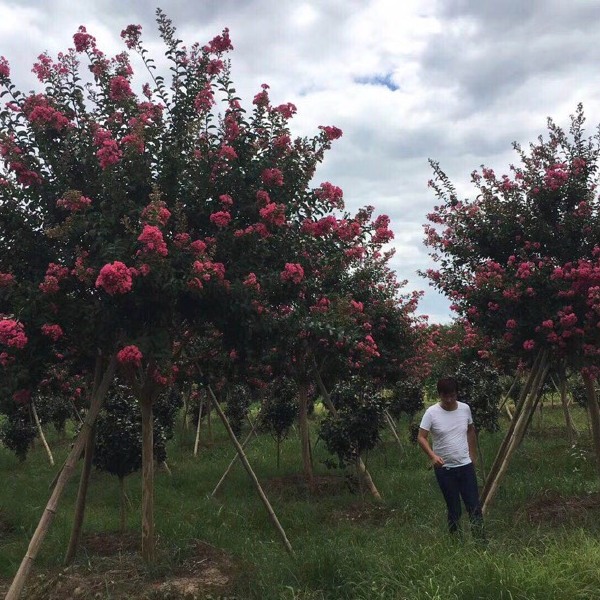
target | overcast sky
x=406, y=80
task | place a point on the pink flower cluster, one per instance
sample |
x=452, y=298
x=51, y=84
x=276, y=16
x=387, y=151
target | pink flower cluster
x=12, y=333
x=205, y=271
x=292, y=272
x=220, y=43
x=252, y=282
x=74, y=202
x=4, y=68
x=272, y=177
x=156, y=213
x=332, y=194
x=38, y=110
x=205, y=99
x=120, y=89
x=221, y=218
x=54, y=332
x=54, y=275
x=6, y=279
x=130, y=356
x=153, y=241
x=131, y=34
x=331, y=133
x=109, y=152
x=274, y=214
x=115, y=278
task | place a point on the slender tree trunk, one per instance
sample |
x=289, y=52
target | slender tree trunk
x=35, y=544
x=80, y=503
x=562, y=389
x=304, y=431
x=41, y=434
x=244, y=459
x=148, y=542
x=594, y=412
x=480, y=457
x=122, y=505
x=362, y=469
x=209, y=431
x=278, y=452
x=198, y=427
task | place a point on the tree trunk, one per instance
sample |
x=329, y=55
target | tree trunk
x=41, y=433
x=304, y=431
x=362, y=469
x=97, y=399
x=80, y=503
x=209, y=422
x=594, y=412
x=122, y=505
x=251, y=473
x=572, y=432
x=148, y=550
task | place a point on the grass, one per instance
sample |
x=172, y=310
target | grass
x=345, y=547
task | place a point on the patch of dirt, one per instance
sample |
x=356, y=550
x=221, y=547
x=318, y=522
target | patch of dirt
x=6, y=528
x=109, y=543
x=376, y=514
x=323, y=485
x=204, y=571
x=556, y=509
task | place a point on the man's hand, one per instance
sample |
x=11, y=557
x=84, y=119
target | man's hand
x=437, y=461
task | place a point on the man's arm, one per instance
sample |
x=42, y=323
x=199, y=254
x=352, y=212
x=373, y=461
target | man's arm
x=423, y=440
x=472, y=441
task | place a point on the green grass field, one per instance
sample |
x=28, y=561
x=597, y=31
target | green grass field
x=543, y=527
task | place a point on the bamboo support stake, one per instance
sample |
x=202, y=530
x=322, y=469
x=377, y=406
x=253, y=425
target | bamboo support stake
x=518, y=408
x=572, y=432
x=18, y=582
x=392, y=427
x=41, y=434
x=521, y=424
x=243, y=458
x=81, y=497
x=362, y=469
x=198, y=427
x=233, y=461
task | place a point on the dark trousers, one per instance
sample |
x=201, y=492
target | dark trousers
x=457, y=483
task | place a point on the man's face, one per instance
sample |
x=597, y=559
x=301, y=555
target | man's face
x=448, y=398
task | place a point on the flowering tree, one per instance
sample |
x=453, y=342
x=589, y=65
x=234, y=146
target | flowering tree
x=521, y=262
x=134, y=221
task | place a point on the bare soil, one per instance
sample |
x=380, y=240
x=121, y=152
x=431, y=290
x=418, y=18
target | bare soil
x=322, y=485
x=553, y=508
x=110, y=566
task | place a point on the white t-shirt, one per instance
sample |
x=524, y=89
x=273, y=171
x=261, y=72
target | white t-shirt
x=448, y=429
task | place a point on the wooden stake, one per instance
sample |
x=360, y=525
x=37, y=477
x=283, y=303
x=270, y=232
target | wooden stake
x=41, y=434
x=521, y=423
x=572, y=432
x=97, y=399
x=233, y=461
x=243, y=458
x=393, y=429
x=198, y=426
x=304, y=431
x=81, y=497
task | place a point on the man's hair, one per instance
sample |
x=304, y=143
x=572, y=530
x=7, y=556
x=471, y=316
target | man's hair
x=447, y=385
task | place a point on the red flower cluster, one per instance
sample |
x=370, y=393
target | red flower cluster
x=221, y=218
x=293, y=272
x=115, y=278
x=130, y=356
x=54, y=332
x=156, y=213
x=74, y=202
x=54, y=275
x=153, y=241
x=272, y=177
x=12, y=333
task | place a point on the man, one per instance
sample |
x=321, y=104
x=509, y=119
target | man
x=453, y=455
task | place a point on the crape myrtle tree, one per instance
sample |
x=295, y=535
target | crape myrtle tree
x=152, y=214
x=521, y=262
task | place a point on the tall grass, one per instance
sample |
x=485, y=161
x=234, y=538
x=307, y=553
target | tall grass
x=345, y=547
